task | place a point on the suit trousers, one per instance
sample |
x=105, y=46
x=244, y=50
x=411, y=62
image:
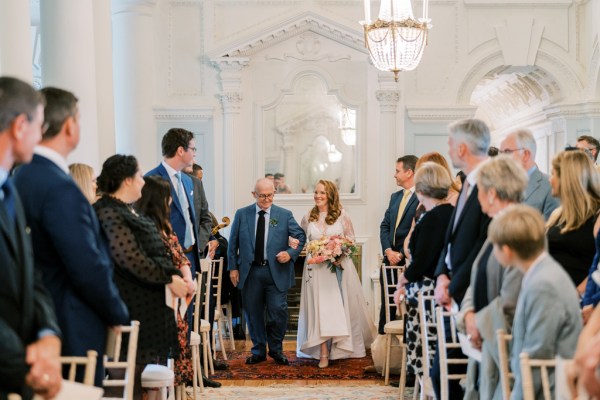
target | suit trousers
x=260, y=293
x=455, y=391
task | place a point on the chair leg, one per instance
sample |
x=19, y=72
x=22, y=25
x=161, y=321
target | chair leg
x=388, y=354
x=214, y=342
x=402, y=383
x=230, y=323
x=210, y=359
x=205, y=351
x=221, y=341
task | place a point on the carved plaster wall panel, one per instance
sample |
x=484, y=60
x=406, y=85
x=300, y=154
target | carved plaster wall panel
x=185, y=48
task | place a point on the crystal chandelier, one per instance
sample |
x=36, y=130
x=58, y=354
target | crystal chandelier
x=396, y=39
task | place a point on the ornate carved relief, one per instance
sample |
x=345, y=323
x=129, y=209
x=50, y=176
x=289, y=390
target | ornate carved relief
x=231, y=101
x=184, y=114
x=308, y=46
x=437, y=114
x=388, y=100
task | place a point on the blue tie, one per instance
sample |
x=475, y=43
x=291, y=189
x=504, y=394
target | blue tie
x=8, y=200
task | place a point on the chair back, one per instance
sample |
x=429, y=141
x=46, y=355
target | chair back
x=428, y=330
x=527, y=365
x=390, y=280
x=204, y=289
x=217, y=278
x=113, y=350
x=506, y=376
x=88, y=363
x=443, y=345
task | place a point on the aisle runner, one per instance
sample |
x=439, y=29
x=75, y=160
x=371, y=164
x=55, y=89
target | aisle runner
x=352, y=368
x=291, y=392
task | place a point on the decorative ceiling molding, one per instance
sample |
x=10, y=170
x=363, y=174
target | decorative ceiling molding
x=519, y=3
x=519, y=39
x=307, y=21
x=183, y=113
x=439, y=114
x=587, y=110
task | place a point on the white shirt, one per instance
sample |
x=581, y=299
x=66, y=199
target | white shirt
x=53, y=156
x=171, y=171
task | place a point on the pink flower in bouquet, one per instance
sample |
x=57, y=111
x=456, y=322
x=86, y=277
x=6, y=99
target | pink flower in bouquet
x=330, y=250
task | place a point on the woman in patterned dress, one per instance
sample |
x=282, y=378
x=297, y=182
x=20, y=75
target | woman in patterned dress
x=154, y=203
x=142, y=267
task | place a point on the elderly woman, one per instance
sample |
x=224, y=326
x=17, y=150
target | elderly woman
x=490, y=301
x=142, y=266
x=432, y=182
x=572, y=227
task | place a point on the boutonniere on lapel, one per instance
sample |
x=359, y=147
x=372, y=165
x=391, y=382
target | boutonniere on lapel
x=273, y=222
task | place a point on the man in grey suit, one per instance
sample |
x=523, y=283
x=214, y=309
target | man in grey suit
x=521, y=145
x=261, y=265
x=547, y=320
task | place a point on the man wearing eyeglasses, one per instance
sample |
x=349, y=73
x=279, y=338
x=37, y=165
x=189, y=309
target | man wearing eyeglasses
x=521, y=146
x=590, y=144
x=261, y=265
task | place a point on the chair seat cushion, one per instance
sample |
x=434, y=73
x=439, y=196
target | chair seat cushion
x=154, y=374
x=394, y=327
x=194, y=339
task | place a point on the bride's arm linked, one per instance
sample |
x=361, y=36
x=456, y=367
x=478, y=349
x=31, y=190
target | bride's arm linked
x=347, y=225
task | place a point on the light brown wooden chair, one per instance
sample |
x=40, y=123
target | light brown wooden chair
x=216, y=283
x=527, y=364
x=443, y=346
x=196, y=340
x=393, y=328
x=506, y=376
x=88, y=363
x=113, y=349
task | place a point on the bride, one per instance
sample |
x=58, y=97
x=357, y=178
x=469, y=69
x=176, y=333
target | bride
x=334, y=321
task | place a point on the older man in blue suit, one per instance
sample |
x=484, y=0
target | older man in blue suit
x=261, y=264
x=68, y=246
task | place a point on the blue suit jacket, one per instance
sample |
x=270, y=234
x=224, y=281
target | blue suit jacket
x=242, y=238
x=177, y=219
x=25, y=306
x=72, y=255
x=388, y=225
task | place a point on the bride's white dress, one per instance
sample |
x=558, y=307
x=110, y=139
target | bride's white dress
x=332, y=309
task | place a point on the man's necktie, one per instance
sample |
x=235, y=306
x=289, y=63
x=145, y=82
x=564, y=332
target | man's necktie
x=259, y=248
x=462, y=199
x=8, y=200
x=183, y=202
x=401, y=209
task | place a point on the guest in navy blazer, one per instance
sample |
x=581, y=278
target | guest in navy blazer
x=178, y=149
x=394, y=229
x=68, y=246
x=468, y=144
x=27, y=319
x=264, y=276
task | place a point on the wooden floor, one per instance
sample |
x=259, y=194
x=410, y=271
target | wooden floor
x=289, y=345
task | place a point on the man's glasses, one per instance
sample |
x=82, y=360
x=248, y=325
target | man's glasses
x=192, y=149
x=265, y=196
x=509, y=151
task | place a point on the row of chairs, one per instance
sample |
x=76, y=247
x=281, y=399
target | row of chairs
x=432, y=331
x=158, y=376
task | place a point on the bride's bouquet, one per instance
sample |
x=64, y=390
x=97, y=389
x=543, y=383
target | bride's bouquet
x=330, y=249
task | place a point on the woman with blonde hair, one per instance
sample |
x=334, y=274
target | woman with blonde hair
x=334, y=320
x=437, y=158
x=83, y=175
x=572, y=227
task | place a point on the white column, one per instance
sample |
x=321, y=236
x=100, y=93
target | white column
x=133, y=52
x=15, y=40
x=388, y=104
x=231, y=100
x=69, y=62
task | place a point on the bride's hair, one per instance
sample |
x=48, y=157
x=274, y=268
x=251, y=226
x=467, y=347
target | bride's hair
x=334, y=207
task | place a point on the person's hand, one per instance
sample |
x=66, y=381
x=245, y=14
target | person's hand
x=178, y=286
x=399, y=296
x=212, y=248
x=44, y=376
x=235, y=277
x=586, y=312
x=402, y=281
x=587, y=363
x=472, y=331
x=394, y=257
x=441, y=293
x=191, y=286
x=283, y=257
x=293, y=242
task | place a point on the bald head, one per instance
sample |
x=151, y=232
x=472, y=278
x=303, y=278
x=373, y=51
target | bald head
x=264, y=192
x=263, y=184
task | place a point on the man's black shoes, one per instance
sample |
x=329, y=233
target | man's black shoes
x=210, y=383
x=220, y=365
x=279, y=358
x=254, y=359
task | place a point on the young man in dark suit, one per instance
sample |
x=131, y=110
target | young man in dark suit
x=69, y=249
x=29, y=341
x=397, y=222
x=468, y=144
